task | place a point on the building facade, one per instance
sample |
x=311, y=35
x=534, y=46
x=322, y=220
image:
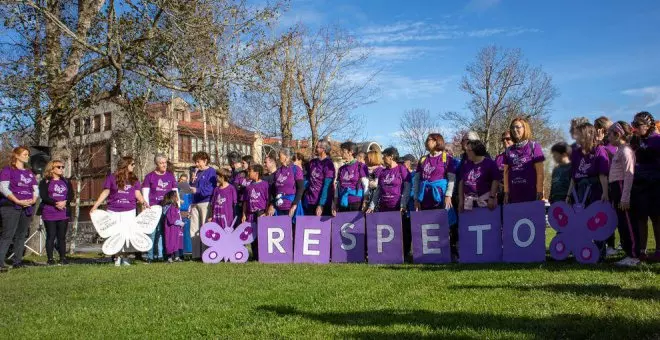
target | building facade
x=99, y=139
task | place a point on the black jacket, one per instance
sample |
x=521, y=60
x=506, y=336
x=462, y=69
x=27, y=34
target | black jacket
x=46, y=200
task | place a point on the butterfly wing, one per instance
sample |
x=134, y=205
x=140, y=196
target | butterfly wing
x=240, y=255
x=147, y=220
x=114, y=244
x=560, y=216
x=105, y=223
x=211, y=233
x=598, y=221
x=559, y=247
x=245, y=232
x=212, y=255
x=586, y=252
x=140, y=241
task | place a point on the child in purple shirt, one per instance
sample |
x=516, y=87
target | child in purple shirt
x=287, y=187
x=223, y=201
x=255, y=200
x=589, y=167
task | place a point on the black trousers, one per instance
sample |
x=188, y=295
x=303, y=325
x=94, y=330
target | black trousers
x=255, y=243
x=15, y=226
x=627, y=226
x=56, y=230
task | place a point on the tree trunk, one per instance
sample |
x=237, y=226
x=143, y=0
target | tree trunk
x=205, y=144
x=76, y=217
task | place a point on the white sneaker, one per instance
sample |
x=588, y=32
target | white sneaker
x=628, y=262
x=125, y=262
x=118, y=261
x=611, y=251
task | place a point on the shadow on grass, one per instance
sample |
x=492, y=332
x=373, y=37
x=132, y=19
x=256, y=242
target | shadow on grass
x=550, y=265
x=599, y=290
x=444, y=323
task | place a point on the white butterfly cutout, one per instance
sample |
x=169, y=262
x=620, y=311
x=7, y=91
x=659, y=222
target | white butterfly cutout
x=135, y=234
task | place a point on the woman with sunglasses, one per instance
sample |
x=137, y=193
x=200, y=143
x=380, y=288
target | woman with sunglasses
x=56, y=196
x=523, y=165
x=19, y=194
x=499, y=161
x=646, y=184
x=122, y=189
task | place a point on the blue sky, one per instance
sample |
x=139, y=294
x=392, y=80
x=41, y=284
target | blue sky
x=604, y=56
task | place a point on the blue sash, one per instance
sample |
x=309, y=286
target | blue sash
x=349, y=192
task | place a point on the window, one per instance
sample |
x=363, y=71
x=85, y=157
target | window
x=87, y=125
x=107, y=117
x=76, y=127
x=185, y=149
x=97, y=123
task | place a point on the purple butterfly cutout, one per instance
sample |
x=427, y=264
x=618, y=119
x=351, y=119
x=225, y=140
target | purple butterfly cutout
x=578, y=227
x=226, y=243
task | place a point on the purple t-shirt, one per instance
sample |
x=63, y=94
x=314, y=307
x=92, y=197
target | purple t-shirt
x=592, y=164
x=522, y=174
x=159, y=185
x=223, y=202
x=478, y=178
x=205, y=182
x=390, y=182
x=647, y=155
x=285, y=183
x=21, y=182
x=349, y=176
x=431, y=169
x=58, y=191
x=319, y=170
x=256, y=196
x=499, y=160
x=121, y=199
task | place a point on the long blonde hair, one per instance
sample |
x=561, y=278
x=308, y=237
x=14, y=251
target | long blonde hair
x=48, y=171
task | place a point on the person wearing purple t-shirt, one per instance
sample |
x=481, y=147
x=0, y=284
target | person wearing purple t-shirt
x=223, y=201
x=523, y=165
x=122, y=189
x=287, y=187
x=480, y=179
x=19, y=190
x=56, y=196
x=154, y=187
x=393, y=189
x=602, y=125
x=352, y=182
x=433, y=185
x=321, y=174
x=589, y=170
x=646, y=184
x=589, y=167
x=203, y=183
x=256, y=200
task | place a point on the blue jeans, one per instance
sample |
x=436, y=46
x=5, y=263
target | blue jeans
x=157, y=238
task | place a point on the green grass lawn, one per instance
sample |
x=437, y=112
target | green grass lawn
x=193, y=300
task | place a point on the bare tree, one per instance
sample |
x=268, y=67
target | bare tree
x=328, y=65
x=91, y=50
x=501, y=85
x=415, y=125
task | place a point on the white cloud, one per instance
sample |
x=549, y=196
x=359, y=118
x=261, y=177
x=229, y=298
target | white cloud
x=423, y=31
x=395, y=86
x=305, y=16
x=396, y=53
x=650, y=94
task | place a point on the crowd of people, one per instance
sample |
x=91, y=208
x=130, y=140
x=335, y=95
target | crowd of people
x=610, y=161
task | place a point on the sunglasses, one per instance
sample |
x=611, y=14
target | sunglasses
x=637, y=124
x=506, y=139
x=59, y=167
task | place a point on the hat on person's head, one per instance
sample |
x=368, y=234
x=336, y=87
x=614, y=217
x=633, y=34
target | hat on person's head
x=471, y=135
